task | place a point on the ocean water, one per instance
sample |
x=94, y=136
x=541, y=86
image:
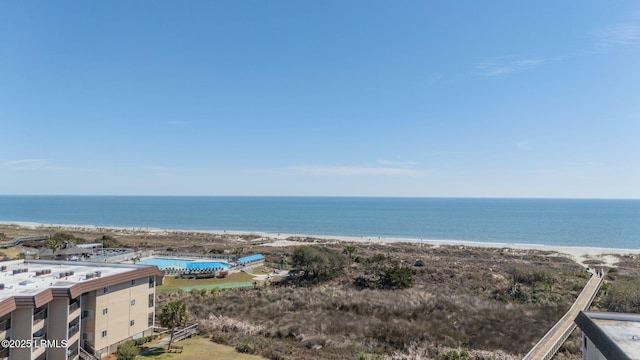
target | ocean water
x=594, y=223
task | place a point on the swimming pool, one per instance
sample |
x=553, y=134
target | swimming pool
x=163, y=263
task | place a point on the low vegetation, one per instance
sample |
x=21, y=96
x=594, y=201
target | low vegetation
x=621, y=291
x=317, y=262
x=173, y=284
x=456, y=302
x=198, y=348
x=127, y=351
x=460, y=300
x=381, y=272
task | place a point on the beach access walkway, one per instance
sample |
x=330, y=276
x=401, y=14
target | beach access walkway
x=548, y=346
x=19, y=240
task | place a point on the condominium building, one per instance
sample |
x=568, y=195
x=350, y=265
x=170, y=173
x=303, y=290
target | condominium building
x=57, y=309
x=609, y=336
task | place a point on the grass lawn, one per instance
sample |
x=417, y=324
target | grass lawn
x=170, y=284
x=197, y=348
x=261, y=270
x=11, y=253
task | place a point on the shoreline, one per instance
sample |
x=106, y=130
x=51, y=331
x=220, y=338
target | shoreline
x=578, y=253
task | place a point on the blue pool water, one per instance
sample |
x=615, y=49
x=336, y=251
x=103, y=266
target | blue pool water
x=163, y=263
x=195, y=265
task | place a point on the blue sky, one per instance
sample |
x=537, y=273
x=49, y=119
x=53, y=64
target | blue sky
x=360, y=98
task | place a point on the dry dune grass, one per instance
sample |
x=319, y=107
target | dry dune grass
x=461, y=299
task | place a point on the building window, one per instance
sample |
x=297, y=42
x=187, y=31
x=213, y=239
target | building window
x=105, y=290
x=105, y=311
x=132, y=322
x=133, y=302
x=133, y=283
x=150, y=320
x=104, y=333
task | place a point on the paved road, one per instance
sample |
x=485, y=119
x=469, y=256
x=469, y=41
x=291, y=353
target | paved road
x=551, y=342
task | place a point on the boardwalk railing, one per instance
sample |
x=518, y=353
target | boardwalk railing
x=545, y=351
x=180, y=333
x=185, y=332
x=16, y=241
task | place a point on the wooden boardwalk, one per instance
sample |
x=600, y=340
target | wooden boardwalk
x=547, y=347
x=17, y=241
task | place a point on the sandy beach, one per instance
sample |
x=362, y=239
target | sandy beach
x=578, y=254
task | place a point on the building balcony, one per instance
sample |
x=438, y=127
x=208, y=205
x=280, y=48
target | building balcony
x=74, y=306
x=5, y=329
x=39, y=316
x=5, y=325
x=73, y=353
x=73, y=330
x=36, y=349
x=39, y=325
x=74, y=314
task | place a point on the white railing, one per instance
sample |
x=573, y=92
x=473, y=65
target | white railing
x=548, y=354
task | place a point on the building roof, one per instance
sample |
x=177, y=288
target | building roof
x=35, y=282
x=250, y=258
x=89, y=246
x=616, y=335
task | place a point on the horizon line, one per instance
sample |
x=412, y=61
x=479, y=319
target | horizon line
x=330, y=196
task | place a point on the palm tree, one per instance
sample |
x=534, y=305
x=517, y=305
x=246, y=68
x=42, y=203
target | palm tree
x=53, y=243
x=174, y=314
x=238, y=251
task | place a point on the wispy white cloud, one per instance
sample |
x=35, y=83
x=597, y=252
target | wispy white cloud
x=506, y=65
x=38, y=165
x=359, y=170
x=617, y=35
x=623, y=34
x=403, y=164
x=25, y=164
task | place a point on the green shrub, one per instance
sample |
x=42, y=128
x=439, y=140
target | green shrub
x=395, y=277
x=530, y=276
x=387, y=277
x=316, y=262
x=246, y=348
x=454, y=355
x=366, y=356
x=127, y=351
x=376, y=259
x=623, y=296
